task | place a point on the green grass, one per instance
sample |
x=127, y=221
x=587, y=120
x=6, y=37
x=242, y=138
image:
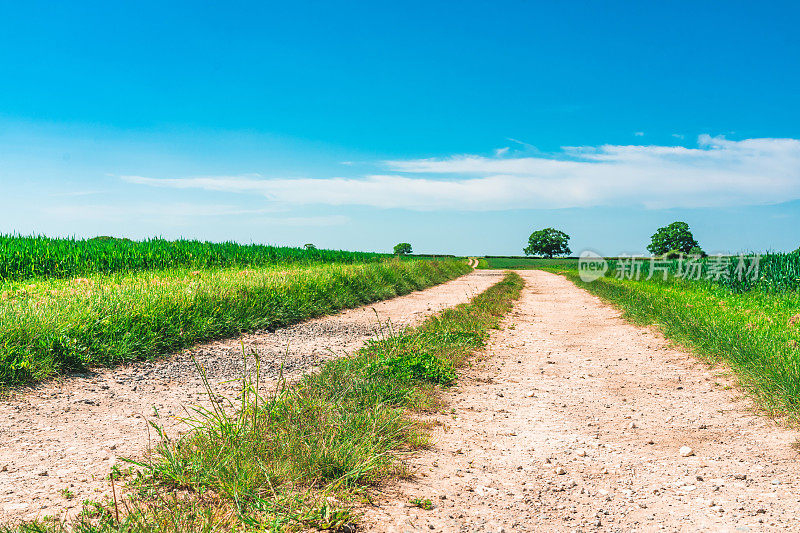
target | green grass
x=526, y=263
x=55, y=326
x=422, y=503
x=303, y=456
x=23, y=258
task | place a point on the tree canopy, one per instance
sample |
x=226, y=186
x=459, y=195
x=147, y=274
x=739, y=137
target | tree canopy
x=675, y=238
x=547, y=242
x=402, y=248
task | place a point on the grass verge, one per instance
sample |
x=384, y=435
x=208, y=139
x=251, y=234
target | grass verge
x=756, y=333
x=526, y=263
x=299, y=457
x=56, y=326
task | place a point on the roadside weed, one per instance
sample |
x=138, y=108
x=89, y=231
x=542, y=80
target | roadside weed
x=422, y=503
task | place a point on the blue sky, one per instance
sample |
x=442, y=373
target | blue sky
x=459, y=127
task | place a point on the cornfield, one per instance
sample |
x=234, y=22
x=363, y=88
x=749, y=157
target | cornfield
x=24, y=258
x=771, y=272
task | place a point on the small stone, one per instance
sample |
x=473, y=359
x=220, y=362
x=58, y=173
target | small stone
x=632, y=425
x=560, y=471
x=42, y=473
x=686, y=451
x=581, y=453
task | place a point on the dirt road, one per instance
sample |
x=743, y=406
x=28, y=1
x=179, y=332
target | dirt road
x=575, y=421
x=66, y=435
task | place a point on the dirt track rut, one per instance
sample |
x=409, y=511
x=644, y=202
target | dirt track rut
x=67, y=434
x=574, y=420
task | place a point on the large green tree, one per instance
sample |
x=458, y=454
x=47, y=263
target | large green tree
x=547, y=242
x=402, y=248
x=673, y=238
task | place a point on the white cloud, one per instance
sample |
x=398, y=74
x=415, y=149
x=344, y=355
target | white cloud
x=639, y=133
x=77, y=193
x=718, y=172
x=500, y=152
x=184, y=211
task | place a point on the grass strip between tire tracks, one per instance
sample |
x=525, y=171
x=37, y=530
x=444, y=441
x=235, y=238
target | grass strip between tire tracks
x=300, y=457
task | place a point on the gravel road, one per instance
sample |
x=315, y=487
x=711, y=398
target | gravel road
x=575, y=420
x=67, y=434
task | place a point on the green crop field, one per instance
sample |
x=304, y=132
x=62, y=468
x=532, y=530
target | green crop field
x=37, y=257
x=526, y=263
x=138, y=300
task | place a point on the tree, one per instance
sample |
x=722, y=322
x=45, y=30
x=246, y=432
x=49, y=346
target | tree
x=309, y=246
x=673, y=239
x=547, y=242
x=402, y=248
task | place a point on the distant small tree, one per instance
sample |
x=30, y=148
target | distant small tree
x=673, y=239
x=548, y=242
x=309, y=246
x=402, y=248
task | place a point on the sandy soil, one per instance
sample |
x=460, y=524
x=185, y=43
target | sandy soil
x=67, y=434
x=574, y=420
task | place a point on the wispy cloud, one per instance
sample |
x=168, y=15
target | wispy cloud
x=500, y=152
x=718, y=172
x=185, y=211
x=77, y=193
x=113, y=211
